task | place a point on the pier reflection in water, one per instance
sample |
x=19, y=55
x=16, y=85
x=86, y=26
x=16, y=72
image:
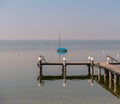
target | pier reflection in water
x=109, y=85
x=106, y=80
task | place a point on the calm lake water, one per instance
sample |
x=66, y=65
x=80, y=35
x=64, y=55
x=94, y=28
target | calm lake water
x=19, y=72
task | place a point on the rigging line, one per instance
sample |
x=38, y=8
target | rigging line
x=59, y=46
x=59, y=40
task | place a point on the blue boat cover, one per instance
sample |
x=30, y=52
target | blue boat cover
x=61, y=50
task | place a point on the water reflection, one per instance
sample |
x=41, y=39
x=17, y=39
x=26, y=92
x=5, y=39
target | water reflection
x=50, y=78
x=109, y=85
x=105, y=82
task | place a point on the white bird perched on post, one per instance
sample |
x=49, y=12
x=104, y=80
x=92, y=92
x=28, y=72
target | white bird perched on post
x=41, y=58
x=108, y=60
x=92, y=60
x=64, y=60
x=89, y=58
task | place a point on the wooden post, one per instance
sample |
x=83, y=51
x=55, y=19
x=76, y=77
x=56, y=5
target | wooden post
x=92, y=81
x=119, y=79
x=88, y=69
x=110, y=77
x=64, y=76
x=99, y=73
x=89, y=60
x=40, y=69
x=40, y=73
x=105, y=75
x=92, y=66
x=92, y=71
x=115, y=80
x=64, y=71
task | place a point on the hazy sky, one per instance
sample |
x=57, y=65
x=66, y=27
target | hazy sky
x=74, y=19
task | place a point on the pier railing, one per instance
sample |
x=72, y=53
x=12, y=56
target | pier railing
x=112, y=60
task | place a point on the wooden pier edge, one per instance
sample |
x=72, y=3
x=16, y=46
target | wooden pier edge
x=110, y=68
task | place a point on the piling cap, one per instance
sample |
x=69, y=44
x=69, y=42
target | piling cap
x=92, y=58
x=40, y=57
x=108, y=58
x=89, y=57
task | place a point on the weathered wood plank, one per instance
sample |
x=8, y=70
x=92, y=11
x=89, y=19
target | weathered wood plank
x=113, y=68
x=76, y=63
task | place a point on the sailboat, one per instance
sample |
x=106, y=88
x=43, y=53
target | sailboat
x=61, y=50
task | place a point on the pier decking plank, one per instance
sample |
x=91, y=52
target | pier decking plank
x=114, y=68
x=75, y=63
x=111, y=67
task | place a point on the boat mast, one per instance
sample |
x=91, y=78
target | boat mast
x=59, y=47
x=59, y=40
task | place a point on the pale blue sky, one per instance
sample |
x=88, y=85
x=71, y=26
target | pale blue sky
x=74, y=19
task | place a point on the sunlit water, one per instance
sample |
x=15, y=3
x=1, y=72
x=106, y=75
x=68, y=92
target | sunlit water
x=19, y=72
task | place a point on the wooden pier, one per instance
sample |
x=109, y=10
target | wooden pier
x=110, y=68
x=113, y=68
